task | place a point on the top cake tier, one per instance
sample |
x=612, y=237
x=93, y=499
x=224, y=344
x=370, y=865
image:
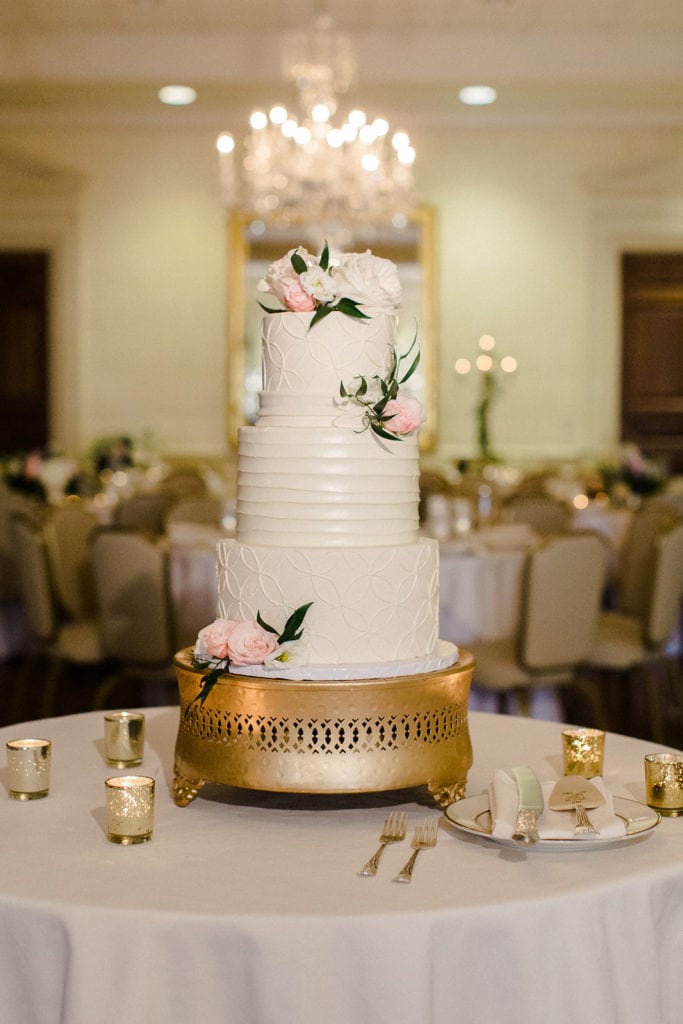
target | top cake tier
x=296, y=361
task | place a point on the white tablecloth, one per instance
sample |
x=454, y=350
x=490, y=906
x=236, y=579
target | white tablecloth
x=479, y=592
x=246, y=908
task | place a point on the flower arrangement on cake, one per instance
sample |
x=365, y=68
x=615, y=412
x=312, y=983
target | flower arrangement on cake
x=227, y=642
x=357, y=284
x=386, y=412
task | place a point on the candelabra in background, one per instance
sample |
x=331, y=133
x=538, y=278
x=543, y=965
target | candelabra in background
x=487, y=364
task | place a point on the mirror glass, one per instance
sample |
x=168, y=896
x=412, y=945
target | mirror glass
x=255, y=245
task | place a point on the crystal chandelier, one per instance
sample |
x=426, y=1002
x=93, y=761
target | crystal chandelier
x=301, y=167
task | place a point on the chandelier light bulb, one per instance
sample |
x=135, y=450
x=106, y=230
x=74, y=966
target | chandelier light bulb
x=349, y=132
x=335, y=138
x=289, y=127
x=367, y=134
x=320, y=113
x=278, y=115
x=406, y=155
x=400, y=140
x=302, y=135
x=381, y=126
x=225, y=143
x=258, y=120
x=357, y=118
x=508, y=364
x=484, y=363
x=462, y=366
x=370, y=162
x=487, y=342
x=177, y=95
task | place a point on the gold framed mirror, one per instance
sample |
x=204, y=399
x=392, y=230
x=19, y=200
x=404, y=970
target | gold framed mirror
x=254, y=245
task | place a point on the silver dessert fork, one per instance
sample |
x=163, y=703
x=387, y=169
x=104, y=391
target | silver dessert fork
x=393, y=832
x=424, y=838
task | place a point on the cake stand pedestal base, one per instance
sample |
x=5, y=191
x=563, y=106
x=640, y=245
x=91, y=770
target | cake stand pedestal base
x=337, y=736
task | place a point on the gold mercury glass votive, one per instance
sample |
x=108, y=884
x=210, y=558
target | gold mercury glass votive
x=28, y=768
x=583, y=751
x=124, y=738
x=130, y=809
x=664, y=783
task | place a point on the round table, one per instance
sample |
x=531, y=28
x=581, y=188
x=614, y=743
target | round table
x=247, y=907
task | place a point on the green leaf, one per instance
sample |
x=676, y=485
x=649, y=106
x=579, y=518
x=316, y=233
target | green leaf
x=293, y=623
x=411, y=371
x=362, y=387
x=350, y=308
x=325, y=257
x=298, y=263
x=385, y=433
x=207, y=684
x=343, y=392
x=321, y=311
x=264, y=625
x=266, y=310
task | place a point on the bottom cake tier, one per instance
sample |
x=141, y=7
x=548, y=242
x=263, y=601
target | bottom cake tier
x=340, y=736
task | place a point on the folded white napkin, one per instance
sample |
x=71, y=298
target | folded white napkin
x=504, y=804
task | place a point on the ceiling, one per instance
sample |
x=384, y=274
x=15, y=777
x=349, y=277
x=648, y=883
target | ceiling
x=616, y=62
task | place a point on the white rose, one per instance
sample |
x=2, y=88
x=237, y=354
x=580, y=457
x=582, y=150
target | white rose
x=369, y=280
x=320, y=284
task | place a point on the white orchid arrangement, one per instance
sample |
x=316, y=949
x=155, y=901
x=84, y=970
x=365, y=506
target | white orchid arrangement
x=357, y=284
x=229, y=642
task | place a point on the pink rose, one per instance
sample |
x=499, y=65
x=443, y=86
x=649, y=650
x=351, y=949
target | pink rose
x=406, y=415
x=250, y=644
x=212, y=641
x=282, y=276
x=298, y=300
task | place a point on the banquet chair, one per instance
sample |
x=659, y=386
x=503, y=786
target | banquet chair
x=135, y=610
x=206, y=510
x=67, y=533
x=545, y=515
x=631, y=646
x=562, y=584
x=144, y=511
x=638, y=556
x=57, y=638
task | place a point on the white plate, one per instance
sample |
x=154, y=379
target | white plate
x=472, y=815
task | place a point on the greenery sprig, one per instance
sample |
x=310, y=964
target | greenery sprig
x=374, y=416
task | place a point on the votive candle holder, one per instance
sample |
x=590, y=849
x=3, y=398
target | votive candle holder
x=583, y=752
x=664, y=783
x=124, y=738
x=130, y=809
x=28, y=768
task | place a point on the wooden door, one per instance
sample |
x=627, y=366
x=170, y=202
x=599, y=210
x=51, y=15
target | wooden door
x=23, y=351
x=652, y=355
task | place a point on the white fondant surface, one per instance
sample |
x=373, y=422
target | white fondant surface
x=371, y=605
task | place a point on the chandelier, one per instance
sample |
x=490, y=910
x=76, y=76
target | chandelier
x=303, y=166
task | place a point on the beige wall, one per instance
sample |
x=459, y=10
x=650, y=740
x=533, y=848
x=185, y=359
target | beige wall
x=530, y=225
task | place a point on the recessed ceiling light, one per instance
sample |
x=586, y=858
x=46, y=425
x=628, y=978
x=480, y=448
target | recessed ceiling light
x=477, y=95
x=177, y=95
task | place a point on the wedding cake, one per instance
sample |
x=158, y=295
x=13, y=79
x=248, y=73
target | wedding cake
x=328, y=577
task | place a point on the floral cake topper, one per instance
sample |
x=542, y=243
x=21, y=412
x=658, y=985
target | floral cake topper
x=229, y=642
x=357, y=284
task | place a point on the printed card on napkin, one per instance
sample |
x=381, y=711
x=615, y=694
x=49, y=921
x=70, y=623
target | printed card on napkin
x=504, y=804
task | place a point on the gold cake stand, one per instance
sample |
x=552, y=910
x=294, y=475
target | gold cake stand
x=337, y=736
